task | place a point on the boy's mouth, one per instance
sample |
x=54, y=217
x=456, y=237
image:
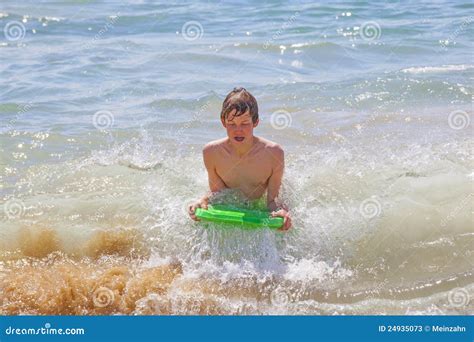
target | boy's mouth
x=239, y=139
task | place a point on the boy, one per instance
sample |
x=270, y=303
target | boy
x=244, y=161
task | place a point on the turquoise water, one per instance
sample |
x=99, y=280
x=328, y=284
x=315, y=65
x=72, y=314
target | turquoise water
x=105, y=107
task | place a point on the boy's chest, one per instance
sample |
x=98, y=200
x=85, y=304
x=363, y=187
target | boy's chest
x=250, y=170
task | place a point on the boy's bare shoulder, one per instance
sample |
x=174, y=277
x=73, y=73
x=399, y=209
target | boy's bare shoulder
x=271, y=147
x=214, y=146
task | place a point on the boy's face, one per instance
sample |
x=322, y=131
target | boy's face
x=239, y=128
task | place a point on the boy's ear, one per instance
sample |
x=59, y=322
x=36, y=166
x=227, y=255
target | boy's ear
x=223, y=122
x=256, y=123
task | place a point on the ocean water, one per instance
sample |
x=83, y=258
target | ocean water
x=105, y=107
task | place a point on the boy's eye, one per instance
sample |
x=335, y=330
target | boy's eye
x=242, y=124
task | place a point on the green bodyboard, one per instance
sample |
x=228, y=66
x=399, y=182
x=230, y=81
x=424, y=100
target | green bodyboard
x=244, y=218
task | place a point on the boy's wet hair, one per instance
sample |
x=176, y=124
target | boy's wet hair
x=242, y=101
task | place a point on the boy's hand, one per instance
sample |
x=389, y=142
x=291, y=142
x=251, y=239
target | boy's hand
x=202, y=203
x=286, y=218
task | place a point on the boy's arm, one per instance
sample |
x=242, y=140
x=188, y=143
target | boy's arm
x=215, y=182
x=274, y=185
x=274, y=182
